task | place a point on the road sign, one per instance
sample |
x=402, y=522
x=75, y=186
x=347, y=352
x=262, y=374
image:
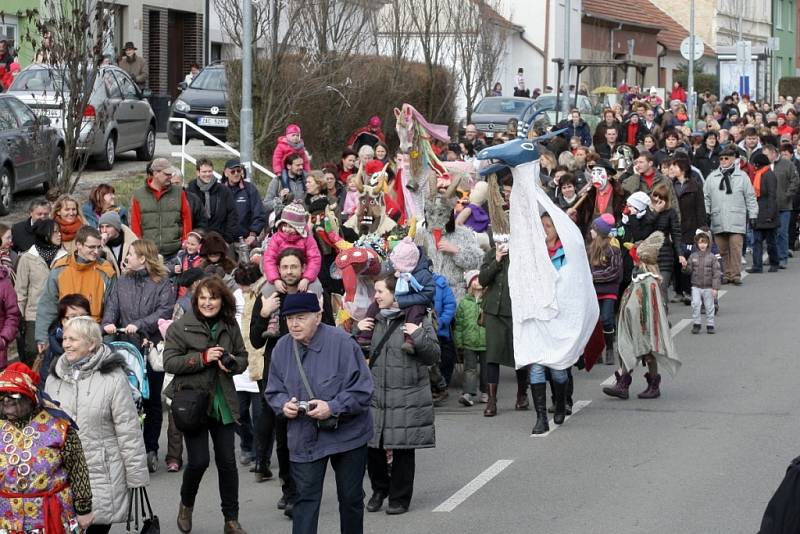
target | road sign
x=686, y=47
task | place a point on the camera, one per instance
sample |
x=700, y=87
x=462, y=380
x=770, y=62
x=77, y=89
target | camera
x=303, y=407
x=228, y=361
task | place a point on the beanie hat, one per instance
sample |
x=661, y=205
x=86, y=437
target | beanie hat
x=647, y=251
x=295, y=215
x=375, y=121
x=19, y=378
x=292, y=129
x=469, y=276
x=639, y=200
x=300, y=303
x=404, y=256
x=111, y=218
x=213, y=243
x=604, y=224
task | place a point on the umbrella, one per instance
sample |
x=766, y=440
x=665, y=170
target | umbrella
x=604, y=90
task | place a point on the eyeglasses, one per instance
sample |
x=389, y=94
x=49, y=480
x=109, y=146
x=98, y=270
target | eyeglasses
x=725, y=157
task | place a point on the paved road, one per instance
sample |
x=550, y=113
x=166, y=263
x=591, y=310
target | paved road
x=125, y=166
x=704, y=458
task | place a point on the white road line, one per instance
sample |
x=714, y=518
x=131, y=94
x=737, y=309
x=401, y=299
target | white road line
x=578, y=406
x=474, y=485
x=683, y=323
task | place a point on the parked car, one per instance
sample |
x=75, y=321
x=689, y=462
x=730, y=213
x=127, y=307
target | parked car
x=117, y=117
x=203, y=103
x=31, y=150
x=492, y=114
x=547, y=103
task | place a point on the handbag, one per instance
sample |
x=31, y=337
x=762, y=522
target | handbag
x=189, y=409
x=332, y=422
x=155, y=355
x=150, y=522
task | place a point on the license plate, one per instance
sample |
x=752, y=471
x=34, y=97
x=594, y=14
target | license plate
x=52, y=113
x=489, y=134
x=213, y=121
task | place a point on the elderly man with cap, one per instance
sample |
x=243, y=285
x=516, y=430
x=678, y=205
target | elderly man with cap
x=134, y=65
x=319, y=381
x=50, y=490
x=116, y=237
x=252, y=216
x=160, y=211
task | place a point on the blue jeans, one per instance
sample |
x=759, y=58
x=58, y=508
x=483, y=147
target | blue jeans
x=245, y=428
x=538, y=375
x=783, y=236
x=349, y=468
x=758, y=251
x=607, y=315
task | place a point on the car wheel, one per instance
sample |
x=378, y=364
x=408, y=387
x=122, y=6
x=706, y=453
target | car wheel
x=57, y=171
x=175, y=139
x=146, y=151
x=105, y=161
x=6, y=190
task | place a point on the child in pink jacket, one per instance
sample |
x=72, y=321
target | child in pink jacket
x=289, y=143
x=292, y=232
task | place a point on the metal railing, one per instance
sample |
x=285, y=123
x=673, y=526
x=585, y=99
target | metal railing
x=187, y=157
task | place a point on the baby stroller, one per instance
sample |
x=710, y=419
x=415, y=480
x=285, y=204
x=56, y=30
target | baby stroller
x=136, y=369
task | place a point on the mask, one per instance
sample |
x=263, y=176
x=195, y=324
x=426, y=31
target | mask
x=599, y=177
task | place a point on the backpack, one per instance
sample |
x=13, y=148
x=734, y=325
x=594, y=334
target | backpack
x=135, y=368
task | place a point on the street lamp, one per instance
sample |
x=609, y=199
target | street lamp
x=246, y=113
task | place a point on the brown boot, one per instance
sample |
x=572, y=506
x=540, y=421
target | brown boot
x=233, y=527
x=653, y=390
x=522, y=398
x=185, y=518
x=491, y=406
x=620, y=388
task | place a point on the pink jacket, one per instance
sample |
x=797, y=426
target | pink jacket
x=283, y=149
x=281, y=241
x=9, y=315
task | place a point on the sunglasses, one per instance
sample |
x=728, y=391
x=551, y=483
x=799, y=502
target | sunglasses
x=726, y=157
x=235, y=169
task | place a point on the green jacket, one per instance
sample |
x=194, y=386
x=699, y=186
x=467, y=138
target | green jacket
x=468, y=333
x=494, y=277
x=186, y=339
x=161, y=219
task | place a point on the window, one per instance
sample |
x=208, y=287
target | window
x=112, y=88
x=7, y=119
x=24, y=115
x=779, y=14
x=8, y=30
x=128, y=88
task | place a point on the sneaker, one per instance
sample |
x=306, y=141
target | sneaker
x=484, y=398
x=246, y=459
x=152, y=461
x=696, y=329
x=710, y=329
x=466, y=400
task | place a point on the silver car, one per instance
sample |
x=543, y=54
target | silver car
x=117, y=118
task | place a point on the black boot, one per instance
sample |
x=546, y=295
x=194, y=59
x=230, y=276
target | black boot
x=540, y=405
x=568, y=392
x=559, y=392
x=608, y=358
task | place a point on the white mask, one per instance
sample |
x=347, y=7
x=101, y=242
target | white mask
x=599, y=177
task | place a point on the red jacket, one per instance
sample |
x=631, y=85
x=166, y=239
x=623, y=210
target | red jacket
x=678, y=94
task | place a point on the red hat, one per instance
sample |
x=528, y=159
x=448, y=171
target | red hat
x=19, y=378
x=373, y=166
x=375, y=121
x=292, y=129
x=782, y=116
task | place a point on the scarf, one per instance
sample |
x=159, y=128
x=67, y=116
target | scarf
x=725, y=183
x=206, y=190
x=649, y=178
x=390, y=313
x=757, y=180
x=552, y=250
x=47, y=252
x=68, y=230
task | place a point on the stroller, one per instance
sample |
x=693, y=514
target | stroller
x=136, y=369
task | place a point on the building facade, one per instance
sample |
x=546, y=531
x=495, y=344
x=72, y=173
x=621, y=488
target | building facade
x=784, y=29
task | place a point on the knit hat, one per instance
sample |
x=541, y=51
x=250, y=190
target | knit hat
x=300, y=303
x=469, y=276
x=213, y=243
x=782, y=116
x=292, y=129
x=375, y=121
x=19, y=378
x=295, y=215
x=405, y=256
x=639, y=200
x=733, y=111
x=111, y=218
x=604, y=224
x=647, y=251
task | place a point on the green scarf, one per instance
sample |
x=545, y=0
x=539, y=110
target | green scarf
x=219, y=406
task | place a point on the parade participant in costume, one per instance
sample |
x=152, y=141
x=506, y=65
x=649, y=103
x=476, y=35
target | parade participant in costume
x=605, y=260
x=643, y=332
x=371, y=135
x=393, y=193
x=473, y=215
x=553, y=312
x=370, y=217
x=605, y=196
x=45, y=485
x=636, y=226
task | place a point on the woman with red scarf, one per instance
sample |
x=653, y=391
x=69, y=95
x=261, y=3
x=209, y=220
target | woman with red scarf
x=48, y=488
x=69, y=218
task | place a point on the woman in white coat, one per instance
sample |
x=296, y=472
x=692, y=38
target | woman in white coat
x=108, y=424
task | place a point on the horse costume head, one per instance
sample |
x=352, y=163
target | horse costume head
x=371, y=207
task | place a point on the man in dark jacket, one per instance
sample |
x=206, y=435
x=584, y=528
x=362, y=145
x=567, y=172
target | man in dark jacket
x=788, y=183
x=576, y=127
x=766, y=224
x=341, y=388
x=218, y=204
x=22, y=232
x=252, y=217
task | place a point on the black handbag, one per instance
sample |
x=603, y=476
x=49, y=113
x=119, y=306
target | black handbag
x=150, y=523
x=332, y=422
x=189, y=409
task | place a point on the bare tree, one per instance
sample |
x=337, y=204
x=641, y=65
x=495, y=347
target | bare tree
x=230, y=19
x=68, y=36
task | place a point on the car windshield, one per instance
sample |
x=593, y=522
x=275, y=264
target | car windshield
x=501, y=106
x=37, y=80
x=210, y=80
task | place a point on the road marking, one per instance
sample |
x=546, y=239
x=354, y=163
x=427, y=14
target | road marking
x=474, y=485
x=578, y=406
x=683, y=323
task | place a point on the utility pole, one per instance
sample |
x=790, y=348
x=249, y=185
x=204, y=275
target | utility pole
x=565, y=84
x=246, y=114
x=690, y=82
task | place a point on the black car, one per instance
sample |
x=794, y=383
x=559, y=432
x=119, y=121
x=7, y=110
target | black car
x=31, y=151
x=204, y=103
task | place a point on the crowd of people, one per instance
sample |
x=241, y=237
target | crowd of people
x=329, y=317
